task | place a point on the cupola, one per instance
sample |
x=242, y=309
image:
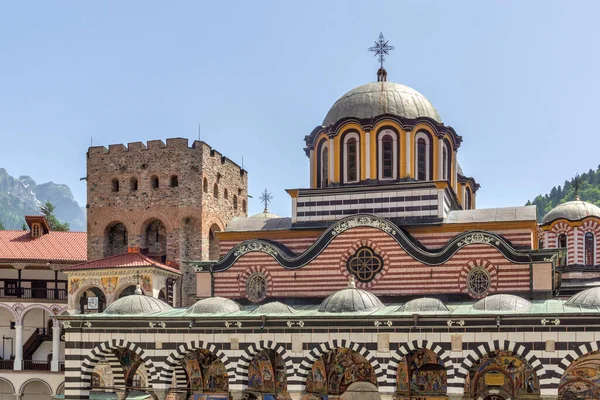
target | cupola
x=350, y=299
x=214, y=305
x=502, y=302
x=136, y=303
x=38, y=225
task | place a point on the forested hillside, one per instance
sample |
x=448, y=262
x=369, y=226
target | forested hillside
x=589, y=190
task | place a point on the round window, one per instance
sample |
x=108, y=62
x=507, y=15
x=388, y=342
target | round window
x=364, y=264
x=479, y=281
x=256, y=287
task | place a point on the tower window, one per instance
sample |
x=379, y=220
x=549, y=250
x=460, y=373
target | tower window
x=421, y=159
x=174, y=181
x=562, y=241
x=133, y=184
x=387, y=150
x=154, y=182
x=446, y=162
x=589, y=249
x=216, y=191
x=352, y=160
x=235, y=204
x=324, y=167
x=244, y=205
x=468, y=199
x=205, y=185
x=115, y=185
x=225, y=194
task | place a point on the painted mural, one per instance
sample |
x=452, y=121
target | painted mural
x=266, y=373
x=146, y=283
x=421, y=374
x=74, y=284
x=109, y=284
x=205, y=372
x=332, y=373
x=502, y=371
x=582, y=379
x=130, y=362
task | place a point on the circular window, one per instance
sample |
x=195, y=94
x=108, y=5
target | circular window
x=364, y=264
x=479, y=281
x=256, y=287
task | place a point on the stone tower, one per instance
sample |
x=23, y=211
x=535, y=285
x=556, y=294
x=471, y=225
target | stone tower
x=165, y=201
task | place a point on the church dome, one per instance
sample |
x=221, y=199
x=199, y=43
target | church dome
x=274, y=307
x=423, y=304
x=136, y=303
x=502, y=302
x=589, y=298
x=377, y=98
x=573, y=211
x=214, y=305
x=350, y=299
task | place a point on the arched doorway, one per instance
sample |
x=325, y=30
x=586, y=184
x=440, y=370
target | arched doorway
x=36, y=389
x=204, y=373
x=267, y=374
x=502, y=374
x=421, y=373
x=91, y=300
x=115, y=239
x=213, y=242
x=333, y=373
x=582, y=379
x=155, y=240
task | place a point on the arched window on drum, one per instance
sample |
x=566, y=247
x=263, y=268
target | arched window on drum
x=590, y=248
x=446, y=161
x=351, y=158
x=387, y=150
x=423, y=157
x=323, y=164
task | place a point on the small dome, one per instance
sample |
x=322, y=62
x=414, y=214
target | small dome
x=350, y=299
x=377, y=98
x=573, y=211
x=274, y=307
x=589, y=298
x=502, y=302
x=136, y=303
x=213, y=305
x=423, y=304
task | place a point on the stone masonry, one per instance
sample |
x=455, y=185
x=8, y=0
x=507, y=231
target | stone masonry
x=163, y=200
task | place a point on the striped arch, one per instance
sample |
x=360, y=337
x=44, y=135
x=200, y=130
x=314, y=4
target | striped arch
x=253, y=350
x=324, y=348
x=506, y=345
x=166, y=376
x=406, y=348
x=573, y=355
x=104, y=350
x=243, y=280
x=181, y=377
x=463, y=280
x=352, y=250
x=116, y=368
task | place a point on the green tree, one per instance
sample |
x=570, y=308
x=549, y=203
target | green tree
x=55, y=224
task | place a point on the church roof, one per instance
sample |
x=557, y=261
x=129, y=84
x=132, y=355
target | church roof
x=573, y=211
x=53, y=246
x=423, y=304
x=377, y=98
x=127, y=260
x=504, y=214
x=274, y=307
x=213, y=305
x=258, y=222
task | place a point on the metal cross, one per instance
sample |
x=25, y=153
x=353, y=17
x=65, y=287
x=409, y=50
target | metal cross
x=381, y=49
x=577, y=182
x=266, y=198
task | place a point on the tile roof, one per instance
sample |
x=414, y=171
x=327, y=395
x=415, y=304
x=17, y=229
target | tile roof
x=127, y=260
x=53, y=246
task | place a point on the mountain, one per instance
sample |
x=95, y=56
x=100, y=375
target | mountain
x=22, y=196
x=589, y=190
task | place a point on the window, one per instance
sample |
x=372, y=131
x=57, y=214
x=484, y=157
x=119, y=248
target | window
x=445, y=162
x=351, y=160
x=364, y=264
x=216, y=191
x=95, y=381
x=235, y=202
x=133, y=184
x=36, y=230
x=115, y=185
x=589, y=249
x=154, y=182
x=256, y=287
x=479, y=281
x=468, y=199
x=324, y=182
x=174, y=181
x=562, y=241
x=10, y=288
x=136, y=382
x=421, y=159
x=205, y=185
x=244, y=205
x=387, y=160
x=225, y=194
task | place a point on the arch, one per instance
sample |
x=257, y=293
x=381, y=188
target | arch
x=13, y=311
x=175, y=357
x=52, y=311
x=423, y=156
x=225, y=194
x=388, y=154
x=589, y=252
x=100, y=352
x=468, y=198
x=485, y=348
x=116, y=239
x=213, y=242
x=235, y=202
x=446, y=160
x=205, y=185
x=253, y=350
x=133, y=184
x=10, y=384
x=75, y=299
x=406, y=348
x=154, y=238
x=324, y=348
x=216, y=191
x=350, y=159
x=27, y=382
x=323, y=163
x=61, y=388
x=125, y=290
x=154, y=183
x=244, y=206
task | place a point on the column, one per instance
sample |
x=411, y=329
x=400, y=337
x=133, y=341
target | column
x=455, y=169
x=18, y=347
x=55, y=346
x=331, y=162
x=407, y=155
x=368, y=156
x=440, y=158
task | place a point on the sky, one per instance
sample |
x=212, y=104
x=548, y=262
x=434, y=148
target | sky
x=517, y=80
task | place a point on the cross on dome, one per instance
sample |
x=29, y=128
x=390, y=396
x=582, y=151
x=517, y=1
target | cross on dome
x=266, y=198
x=381, y=49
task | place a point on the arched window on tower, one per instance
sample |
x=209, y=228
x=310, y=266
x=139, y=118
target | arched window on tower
x=225, y=194
x=562, y=241
x=423, y=157
x=174, y=181
x=115, y=185
x=216, y=191
x=351, y=158
x=589, y=249
x=205, y=185
x=235, y=205
x=387, y=151
x=446, y=161
x=324, y=178
x=133, y=184
x=154, y=182
x=244, y=205
x=468, y=199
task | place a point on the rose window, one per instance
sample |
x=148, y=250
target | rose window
x=256, y=287
x=479, y=281
x=364, y=264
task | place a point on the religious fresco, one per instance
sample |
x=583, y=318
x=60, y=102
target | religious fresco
x=332, y=373
x=267, y=373
x=109, y=284
x=146, y=283
x=582, y=379
x=205, y=373
x=130, y=362
x=421, y=374
x=503, y=371
x=74, y=284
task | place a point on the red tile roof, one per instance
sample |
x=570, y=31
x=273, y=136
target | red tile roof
x=53, y=246
x=128, y=260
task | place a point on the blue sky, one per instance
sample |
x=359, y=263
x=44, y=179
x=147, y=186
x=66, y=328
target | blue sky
x=518, y=80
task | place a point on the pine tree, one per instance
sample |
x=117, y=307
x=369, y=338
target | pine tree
x=55, y=224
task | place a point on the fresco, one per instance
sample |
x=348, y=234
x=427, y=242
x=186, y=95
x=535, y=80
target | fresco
x=421, y=374
x=582, y=379
x=109, y=284
x=503, y=371
x=333, y=372
x=130, y=361
x=205, y=372
x=266, y=373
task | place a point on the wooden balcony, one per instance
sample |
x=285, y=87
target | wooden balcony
x=31, y=293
